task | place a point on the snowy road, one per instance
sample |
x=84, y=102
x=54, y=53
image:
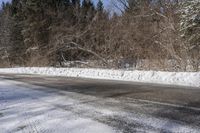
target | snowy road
x=50, y=104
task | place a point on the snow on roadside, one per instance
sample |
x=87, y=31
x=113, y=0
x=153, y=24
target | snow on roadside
x=173, y=78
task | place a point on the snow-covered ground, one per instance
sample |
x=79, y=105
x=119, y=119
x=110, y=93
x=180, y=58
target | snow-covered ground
x=173, y=78
x=28, y=108
x=25, y=110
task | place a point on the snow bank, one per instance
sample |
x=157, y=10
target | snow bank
x=173, y=78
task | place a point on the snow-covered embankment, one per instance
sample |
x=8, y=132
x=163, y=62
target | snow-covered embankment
x=173, y=78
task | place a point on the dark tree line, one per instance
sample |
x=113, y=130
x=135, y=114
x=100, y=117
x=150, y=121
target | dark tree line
x=53, y=32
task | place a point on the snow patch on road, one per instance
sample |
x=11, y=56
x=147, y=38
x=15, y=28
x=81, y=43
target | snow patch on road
x=28, y=110
x=172, y=78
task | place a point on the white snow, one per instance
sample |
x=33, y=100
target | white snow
x=23, y=110
x=172, y=78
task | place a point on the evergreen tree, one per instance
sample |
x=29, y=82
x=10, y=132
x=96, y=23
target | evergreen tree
x=100, y=6
x=190, y=20
x=3, y=5
x=88, y=4
x=76, y=3
x=190, y=23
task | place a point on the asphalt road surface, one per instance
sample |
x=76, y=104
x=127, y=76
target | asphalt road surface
x=40, y=104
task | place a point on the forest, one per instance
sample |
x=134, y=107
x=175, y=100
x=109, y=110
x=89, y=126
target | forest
x=142, y=34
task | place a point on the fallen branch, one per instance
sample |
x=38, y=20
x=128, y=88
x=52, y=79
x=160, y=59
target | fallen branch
x=75, y=46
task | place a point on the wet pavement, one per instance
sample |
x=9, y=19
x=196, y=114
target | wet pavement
x=123, y=106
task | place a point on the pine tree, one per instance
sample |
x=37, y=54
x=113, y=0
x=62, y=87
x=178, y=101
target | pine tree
x=190, y=20
x=100, y=6
x=190, y=23
x=76, y=3
x=3, y=5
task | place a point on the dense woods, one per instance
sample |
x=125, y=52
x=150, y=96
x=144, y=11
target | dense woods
x=146, y=34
